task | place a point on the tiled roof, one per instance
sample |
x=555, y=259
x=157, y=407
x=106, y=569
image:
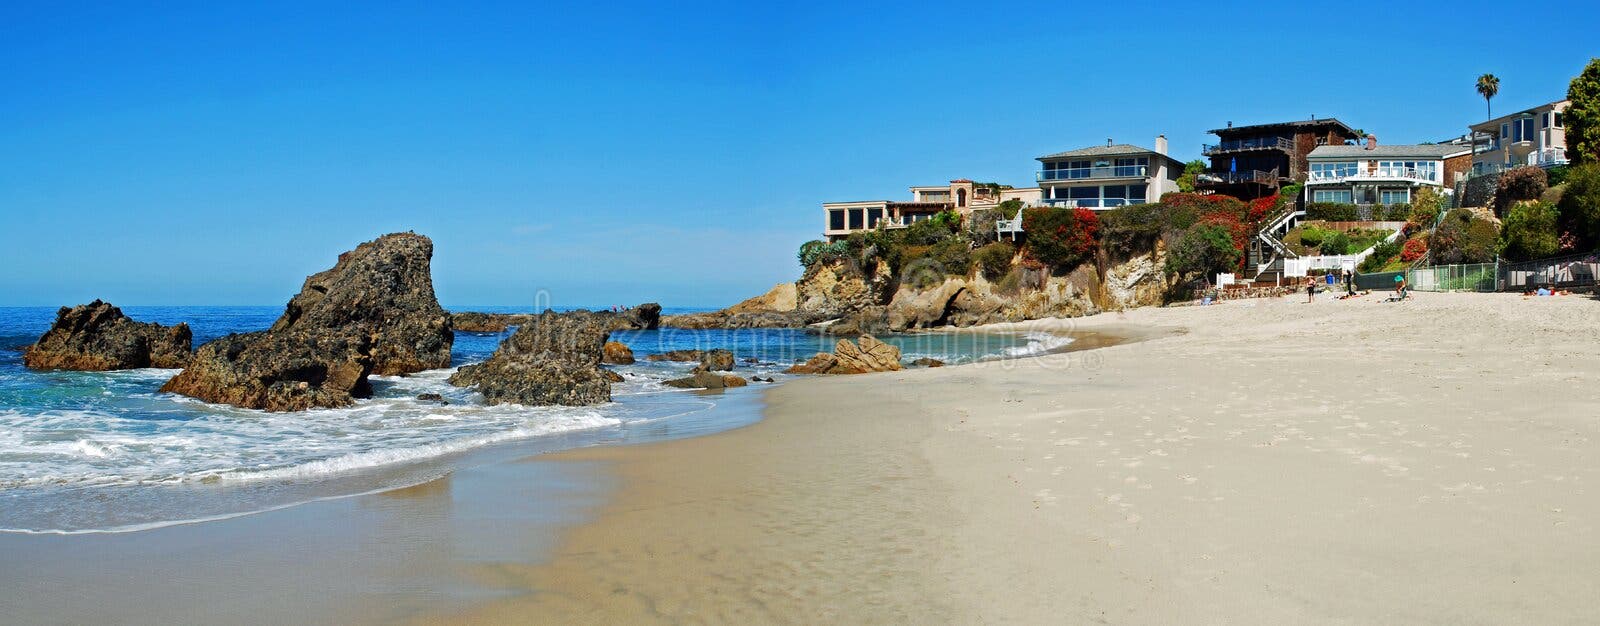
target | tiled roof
x=1094, y=151
x=1436, y=151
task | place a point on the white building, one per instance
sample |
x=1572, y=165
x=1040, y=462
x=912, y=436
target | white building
x=1109, y=176
x=1373, y=174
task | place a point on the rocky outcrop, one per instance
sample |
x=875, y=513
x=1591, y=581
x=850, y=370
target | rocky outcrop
x=724, y=319
x=472, y=322
x=825, y=292
x=718, y=360
x=616, y=353
x=98, y=337
x=646, y=316
x=707, y=380
x=928, y=362
x=373, y=312
x=866, y=355
x=552, y=359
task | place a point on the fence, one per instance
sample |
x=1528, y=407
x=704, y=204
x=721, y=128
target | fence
x=1578, y=270
x=1474, y=277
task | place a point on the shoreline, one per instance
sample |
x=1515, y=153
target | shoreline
x=1196, y=476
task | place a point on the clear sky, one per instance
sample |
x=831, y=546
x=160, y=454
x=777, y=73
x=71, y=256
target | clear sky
x=207, y=153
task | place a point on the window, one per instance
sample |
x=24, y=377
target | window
x=1505, y=131
x=1426, y=170
x=836, y=219
x=1394, y=196
x=1115, y=195
x=855, y=219
x=1132, y=166
x=1333, y=170
x=1136, y=194
x=1544, y=120
x=1341, y=196
x=1558, y=119
x=873, y=217
x=1522, y=130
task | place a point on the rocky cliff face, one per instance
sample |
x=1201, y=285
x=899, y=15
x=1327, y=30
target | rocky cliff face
x=374, y=311
x=825, y=292
x=552, y=359
x=98, y=337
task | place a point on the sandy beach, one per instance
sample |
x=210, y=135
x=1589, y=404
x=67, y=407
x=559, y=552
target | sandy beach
x=1271, y=462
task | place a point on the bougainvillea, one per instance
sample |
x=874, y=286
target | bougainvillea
x=1238, y=231
x=1061, y=238
x=1413, y=250
x=1261, y=208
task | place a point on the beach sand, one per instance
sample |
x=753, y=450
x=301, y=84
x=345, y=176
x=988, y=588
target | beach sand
x=1272, y=462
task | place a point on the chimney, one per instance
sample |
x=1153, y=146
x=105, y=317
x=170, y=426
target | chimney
x=1108, y=142
x=1161, y=145
x=1230, y=123
x=1372, y=141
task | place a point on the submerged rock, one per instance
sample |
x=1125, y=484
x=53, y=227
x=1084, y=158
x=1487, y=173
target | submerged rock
x=867, y=355
x=432, y=397
x=702, y=379
x=928, y=362
x=617, y=353
x=98, y=337
x=373, y=312
x=553, y=359
x=716, y=360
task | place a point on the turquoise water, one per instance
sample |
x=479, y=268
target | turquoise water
x=106, y=451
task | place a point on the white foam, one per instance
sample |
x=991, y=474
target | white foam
x=1039, y=343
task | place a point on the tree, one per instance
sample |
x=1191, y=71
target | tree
x=1488, y=87
x=1205, y=249
x=1582, y=117
x=1191, y=171
x=1579, y=209
x=1529, y=232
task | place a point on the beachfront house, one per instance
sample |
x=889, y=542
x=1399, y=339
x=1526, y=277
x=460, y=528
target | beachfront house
x=1254, y=161
x=962, y=196
x=1108, y=176
x=1535, y=136
x=1372, y=174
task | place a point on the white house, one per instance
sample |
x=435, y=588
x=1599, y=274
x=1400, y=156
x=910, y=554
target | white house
x=1109, y=176
x=1374, y=174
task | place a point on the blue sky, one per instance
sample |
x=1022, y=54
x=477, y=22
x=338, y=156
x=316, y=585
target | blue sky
x=614, y=153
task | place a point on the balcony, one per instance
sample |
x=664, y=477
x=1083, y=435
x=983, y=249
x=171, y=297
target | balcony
x=1374, y=175
x=1212, y=179
x=1245, y=145
x=1090, y=203
x=1094, y=173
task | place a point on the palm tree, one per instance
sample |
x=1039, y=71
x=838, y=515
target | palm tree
x=1488, y=86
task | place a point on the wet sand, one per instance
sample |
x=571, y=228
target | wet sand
x=1278, y=462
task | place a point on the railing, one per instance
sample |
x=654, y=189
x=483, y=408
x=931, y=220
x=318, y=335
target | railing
x=1232, y=178
x=1239, y=145
x=1381, y=173
x=1089, y=203
x=1089, y=173
x=1546, y=158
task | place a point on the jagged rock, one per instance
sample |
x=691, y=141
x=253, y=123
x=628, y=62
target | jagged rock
x=553, y=359
x=725, y=319
x=873, y=319
x=373, y=312
x=612, y=376
x=432, y=397
x=716, y=360
x=702, y=379
x=867, y=355
x=646, y=316
x=928, y=362
x=98, y=337
x=472, y=322
x=616, y=353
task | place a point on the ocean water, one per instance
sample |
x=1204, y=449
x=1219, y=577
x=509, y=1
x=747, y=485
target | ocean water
x=91, y=452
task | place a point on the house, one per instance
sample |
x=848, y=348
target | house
x=1372, y=174
x=962, y=196
x=1254, y=161
x=1535, y=136
x=1109, y=176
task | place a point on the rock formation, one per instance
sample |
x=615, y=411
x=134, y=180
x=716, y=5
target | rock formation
x=98, y=337
x=710, y=360
x=373, y=312
x=702, y=379
x=616, y=353
x=646, y=316
x=553, y=359
x=866, y=355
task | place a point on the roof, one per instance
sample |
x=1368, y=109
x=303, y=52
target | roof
x=1430, y=150
x=1326, y=121
x=1528, y=111
x=1121, y=149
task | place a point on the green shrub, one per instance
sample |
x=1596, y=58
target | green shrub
x=1396, y=212
x=1580, y=206
x=1333, y=212
x=1132, y=229
x=1556, y=175
x=994, y=259
x=1381, y=255
x=1518, y=184
x=1461, y=238
x=1060, y=238
x=1338, y=243
x=812, y=252
x=1529, y=232
x=1205, y=249
x=927, y=232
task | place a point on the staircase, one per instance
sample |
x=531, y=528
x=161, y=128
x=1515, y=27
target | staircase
x=1267, y=252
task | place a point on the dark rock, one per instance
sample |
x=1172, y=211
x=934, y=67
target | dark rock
x=612, y=376
x=677, y=355
x=724, y=319
x=432, y=397
x=760, y=379
x=646, y=316
x=553, y=359
x=487, y=322
x=716, y=360
x=373, y=312
x=617, y=353
x=868, y=355
x=928, y=362
x=98, y=337
x=702, y=379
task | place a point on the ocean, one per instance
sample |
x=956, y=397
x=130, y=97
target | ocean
x=99, y=452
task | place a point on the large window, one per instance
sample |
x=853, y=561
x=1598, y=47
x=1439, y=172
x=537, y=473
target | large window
x=1132, y=166
x=1136, y=194
x=1340, y=169
x=1341, y=196
x=1426, y=170
x=856, y=222
x=1394, y=196
x=836, y=219
x=873, y=217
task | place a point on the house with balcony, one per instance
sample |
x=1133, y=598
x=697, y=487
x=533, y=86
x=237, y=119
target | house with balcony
x=1372, y=174
x=1536, y=136
x=962, y=196
x=1109, y=176
x=1253, y=161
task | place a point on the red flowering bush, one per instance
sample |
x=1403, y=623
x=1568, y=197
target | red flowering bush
x=1260, y=208
x=1061, y=238
x=1414, y=249
x=1238, y=231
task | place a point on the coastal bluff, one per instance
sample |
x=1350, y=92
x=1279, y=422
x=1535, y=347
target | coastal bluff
x=373, y=312
x=98, y=337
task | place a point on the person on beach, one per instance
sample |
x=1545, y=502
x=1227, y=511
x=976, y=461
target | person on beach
x=1311, y=290
x=1350, y=284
